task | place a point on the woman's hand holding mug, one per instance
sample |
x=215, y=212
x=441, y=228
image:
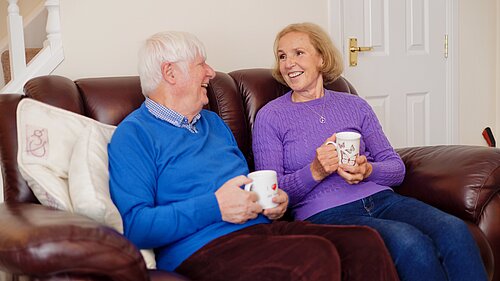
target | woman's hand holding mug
x=357, y=173
x=340, y=153
x=326, y=161
x=353, y=168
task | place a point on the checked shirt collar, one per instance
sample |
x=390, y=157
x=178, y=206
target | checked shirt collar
x=166, y=114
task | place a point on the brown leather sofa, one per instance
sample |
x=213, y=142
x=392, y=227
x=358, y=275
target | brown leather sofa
x=39, y=243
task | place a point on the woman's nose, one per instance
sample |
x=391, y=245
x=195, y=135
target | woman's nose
x=290, y=62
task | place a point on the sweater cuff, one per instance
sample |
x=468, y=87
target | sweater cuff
x=210, y=210
x=375, y=172
x=305, y=176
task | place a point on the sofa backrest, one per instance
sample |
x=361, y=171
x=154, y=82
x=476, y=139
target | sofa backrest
x=235, y=96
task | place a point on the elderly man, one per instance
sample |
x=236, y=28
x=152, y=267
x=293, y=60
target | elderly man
x=176, y=176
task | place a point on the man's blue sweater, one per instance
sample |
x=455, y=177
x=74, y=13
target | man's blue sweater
x=163, y=180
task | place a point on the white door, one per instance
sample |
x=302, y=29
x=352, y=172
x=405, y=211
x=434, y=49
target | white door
x=404, y=77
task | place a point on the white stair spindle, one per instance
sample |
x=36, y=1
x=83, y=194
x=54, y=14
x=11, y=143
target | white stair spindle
x=16, y=40
x=46, y=60
x=53, y=24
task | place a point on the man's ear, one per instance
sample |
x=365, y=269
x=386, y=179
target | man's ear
x=167, y=71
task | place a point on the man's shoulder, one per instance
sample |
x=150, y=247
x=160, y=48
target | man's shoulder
x=211, y=116
x=132, y=119
x=133, y=124
x=209, y=113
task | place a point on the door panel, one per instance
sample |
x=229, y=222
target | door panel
x=404, y=76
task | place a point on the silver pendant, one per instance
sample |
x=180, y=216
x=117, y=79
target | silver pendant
x=322, y=120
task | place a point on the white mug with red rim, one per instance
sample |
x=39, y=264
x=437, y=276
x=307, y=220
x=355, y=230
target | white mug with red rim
x=265, y=184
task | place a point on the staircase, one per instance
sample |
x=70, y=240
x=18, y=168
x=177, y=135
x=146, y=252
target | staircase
x=30, y=53
x=41, y=61
x=21, y=64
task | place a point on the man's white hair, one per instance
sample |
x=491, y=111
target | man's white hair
x=168, y=46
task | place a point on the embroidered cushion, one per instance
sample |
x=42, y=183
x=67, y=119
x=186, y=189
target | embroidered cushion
x=63, y=157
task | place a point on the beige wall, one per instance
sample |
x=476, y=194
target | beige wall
x=478, y=51
x=239, y=34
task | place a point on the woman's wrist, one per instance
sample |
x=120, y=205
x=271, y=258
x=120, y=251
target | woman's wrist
x=317, y=171
x=369, y=170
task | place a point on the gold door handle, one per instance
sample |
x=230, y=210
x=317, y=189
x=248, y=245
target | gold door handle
x=354, y=49
x=360, y=49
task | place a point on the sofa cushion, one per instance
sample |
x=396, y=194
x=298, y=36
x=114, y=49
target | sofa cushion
x=46, y=136
x=88, y=180
x=63, y=157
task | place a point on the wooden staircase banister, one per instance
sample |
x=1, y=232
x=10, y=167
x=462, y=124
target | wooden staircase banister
x=30, y=53
x=42, y=62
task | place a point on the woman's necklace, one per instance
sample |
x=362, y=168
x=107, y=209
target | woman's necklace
x=322, y=117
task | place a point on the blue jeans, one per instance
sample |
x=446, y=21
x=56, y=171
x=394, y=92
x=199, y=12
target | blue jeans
x=425, y=243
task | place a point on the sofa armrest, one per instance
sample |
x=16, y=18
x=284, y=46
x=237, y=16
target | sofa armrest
x=457, y=179
x=39, y=241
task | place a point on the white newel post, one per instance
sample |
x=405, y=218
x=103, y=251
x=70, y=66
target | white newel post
x=16, y=40
x=46, y=60
x=53, y=24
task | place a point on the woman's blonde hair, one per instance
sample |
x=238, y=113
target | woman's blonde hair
x=332, y=58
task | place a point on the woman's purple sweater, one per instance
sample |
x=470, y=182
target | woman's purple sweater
x=286, y=135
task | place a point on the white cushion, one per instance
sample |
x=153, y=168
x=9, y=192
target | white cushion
x=46, y=136
x=88, y=179
x=63, y=157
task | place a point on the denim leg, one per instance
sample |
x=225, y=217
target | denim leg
x=425, y=243
x=413, y=253
x=451, y=236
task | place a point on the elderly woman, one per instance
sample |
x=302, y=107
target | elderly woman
x=291, y=135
